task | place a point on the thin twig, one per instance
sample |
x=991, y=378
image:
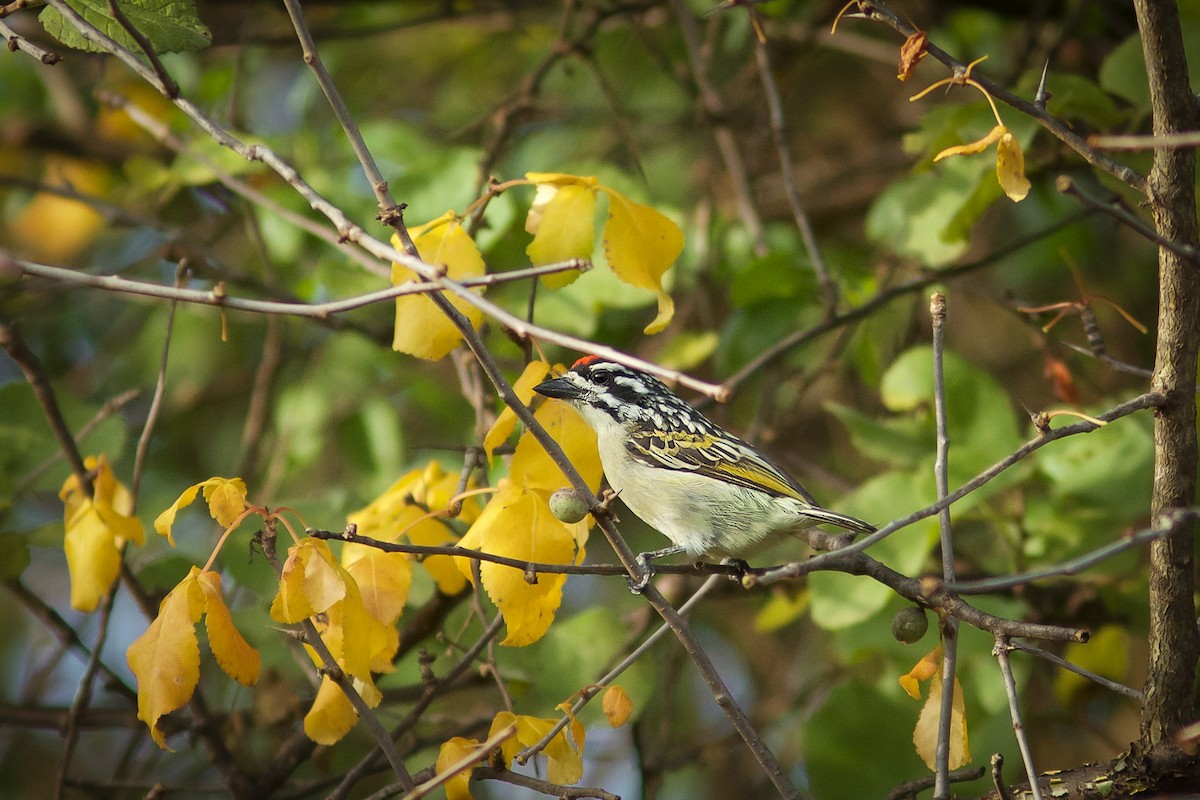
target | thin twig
x=829, y=289
x=1116, y=209
x=160, y=387
x=1000, y=651
x=881, y=13
x=795, y=570
x=714, y=110
x=31, y=366
x=15, y=41
x=884, y=296
x=1046, y=655
x=1072, y=566
x=545, y=787
x=113, y=283
x=949, y=625
x=167, y=86
x=615, y=672
x=910, y=789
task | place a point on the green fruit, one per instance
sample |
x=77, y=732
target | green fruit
x=568, y=506
x=910, y=624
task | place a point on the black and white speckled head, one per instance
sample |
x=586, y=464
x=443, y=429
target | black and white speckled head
x=596, y=386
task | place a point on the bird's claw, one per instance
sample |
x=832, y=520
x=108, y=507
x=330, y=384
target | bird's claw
x=740, y=568
x=638, y=586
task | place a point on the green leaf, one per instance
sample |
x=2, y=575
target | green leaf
x=1111, y=467
x=171, y=26
x=900, y=441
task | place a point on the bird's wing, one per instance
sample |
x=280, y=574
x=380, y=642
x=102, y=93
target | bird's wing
x=724, y=459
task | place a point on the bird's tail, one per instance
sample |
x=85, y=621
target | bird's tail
x=841, y=520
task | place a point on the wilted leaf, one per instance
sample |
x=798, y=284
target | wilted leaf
x=911, y=54
x=1059, y=375
x=166, y=658
x=1010, y=168
x=226, y=498
x=518, y=524
x=971, y=148
x=234, y=654
x=925, y=734
x=923, y=670
x=617, y=706
x=453, y=751
x=421, y=328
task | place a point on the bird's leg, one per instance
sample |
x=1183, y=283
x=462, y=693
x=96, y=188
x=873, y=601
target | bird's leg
x=739, y=565
x=643, y=561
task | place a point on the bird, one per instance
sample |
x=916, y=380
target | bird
x=709, y=492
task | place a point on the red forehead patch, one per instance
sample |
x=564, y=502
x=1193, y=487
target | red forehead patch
x=583, y=362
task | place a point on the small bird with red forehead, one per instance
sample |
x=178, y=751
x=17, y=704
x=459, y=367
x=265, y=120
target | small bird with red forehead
x=701, y=487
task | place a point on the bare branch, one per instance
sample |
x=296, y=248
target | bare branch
x=16, y=42
x=1000, y=651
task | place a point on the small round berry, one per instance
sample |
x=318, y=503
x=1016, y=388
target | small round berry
x=568, y=506
x=910, y=624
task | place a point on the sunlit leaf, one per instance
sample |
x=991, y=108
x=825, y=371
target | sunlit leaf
x=641, y=244
x=923, y=670
x=308, y=584
x=565, y=228
x=421, y=328
x=972, y=148
x=564, y=759
x=226, y=498
x=166, y=658
x=911, y=54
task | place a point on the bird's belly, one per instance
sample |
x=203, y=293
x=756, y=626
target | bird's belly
x=700, y=514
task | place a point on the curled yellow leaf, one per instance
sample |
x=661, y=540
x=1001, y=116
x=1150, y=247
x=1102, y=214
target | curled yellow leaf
x=226, y=498
x=166, y=658
x=331, y=716
x=234, y=654
x=641, y=244
x=421, y=328
x=923, y=670
x=970, y=149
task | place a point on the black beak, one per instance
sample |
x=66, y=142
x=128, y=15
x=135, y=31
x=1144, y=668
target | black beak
x=560, y=388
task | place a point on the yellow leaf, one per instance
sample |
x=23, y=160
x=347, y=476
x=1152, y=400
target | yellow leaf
x=923, y=670
x=399, y=509
x=360, y=643
x=166, y=658
x=548, y=184
x=565, y=762
x=384, y=580
x=93, y=558
x=641, y=245
x=518, y=524
x=994, y=135
x=309, y=582
x=532, y=466
x=331, y=716
x=226, y=498
x=925, y=734
x=617, y=706
x=566, y=228
x=534, y=373
x=422, y=329
x=1106, y=653
x=452, y=752
x=234, y=654
x=96, y=529
x=1010, y=168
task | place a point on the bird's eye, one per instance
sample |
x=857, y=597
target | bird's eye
x=602, y=378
